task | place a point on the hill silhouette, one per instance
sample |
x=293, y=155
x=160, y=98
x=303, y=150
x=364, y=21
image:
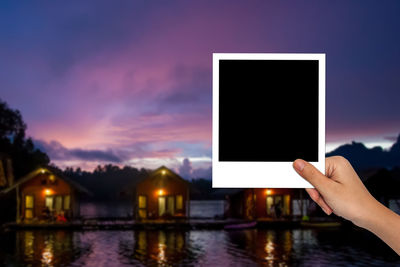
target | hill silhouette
x=363, y=158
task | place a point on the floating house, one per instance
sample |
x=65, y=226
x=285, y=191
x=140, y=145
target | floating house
x=162, y=194
x=45, y=191
x=259, y=203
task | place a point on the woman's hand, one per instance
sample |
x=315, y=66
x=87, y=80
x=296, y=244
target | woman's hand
x=342, y=192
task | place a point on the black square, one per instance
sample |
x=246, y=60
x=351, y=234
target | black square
x=268, y=110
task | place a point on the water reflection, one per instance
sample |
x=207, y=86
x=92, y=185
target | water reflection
x=158, y=247
x=267, y=247
x=47, y=248
x=301, y=247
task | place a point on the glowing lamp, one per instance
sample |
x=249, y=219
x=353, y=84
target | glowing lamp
x=268, y=191
x=47, y=192
x=160, y=192
x=42, y=171
x=163, y=172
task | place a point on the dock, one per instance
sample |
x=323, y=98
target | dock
x=191, y=224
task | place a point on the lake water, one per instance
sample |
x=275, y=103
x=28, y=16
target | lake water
x=194, y=248
x=251, y=247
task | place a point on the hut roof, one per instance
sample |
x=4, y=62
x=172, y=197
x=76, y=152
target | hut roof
x=49, y=169
x=159, y=178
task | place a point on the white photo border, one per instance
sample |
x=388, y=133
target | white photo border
x=264, y=174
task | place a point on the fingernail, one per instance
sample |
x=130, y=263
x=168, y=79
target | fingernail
x=299, y=164
x=326, y=211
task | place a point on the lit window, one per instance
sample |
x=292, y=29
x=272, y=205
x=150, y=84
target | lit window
x=142, y=213
x=67, y=201
x=142, y=202
x=28, y=213
x=58, y=203
x=49, y=202
x=29, y=202
x=179, y=202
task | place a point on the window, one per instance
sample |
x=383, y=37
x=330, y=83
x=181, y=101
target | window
x=142, y=206
x=58, y=204
x=142, y=202
x=67, y=202
x=270, y=203
x=49, y=203
x=171, y=205
x=28, y=214
x=29, y=204
x=286, y=204
x=142, y=213
x=179, y=202
x=278, y=202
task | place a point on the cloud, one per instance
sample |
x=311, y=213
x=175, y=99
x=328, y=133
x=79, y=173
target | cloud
x=187, y=171
x=392, y=138
x=57, y=152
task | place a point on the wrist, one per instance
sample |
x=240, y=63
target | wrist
x=371, y=214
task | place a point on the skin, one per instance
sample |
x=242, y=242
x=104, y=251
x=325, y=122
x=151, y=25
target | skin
x=342, y=192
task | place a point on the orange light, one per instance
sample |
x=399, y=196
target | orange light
x=268, y=191
x=160, y=192
x=48, y=192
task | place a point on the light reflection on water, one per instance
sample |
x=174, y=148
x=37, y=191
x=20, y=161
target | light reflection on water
x=194, y=248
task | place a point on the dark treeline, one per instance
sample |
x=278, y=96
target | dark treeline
x=14, y=144
x=108, y=182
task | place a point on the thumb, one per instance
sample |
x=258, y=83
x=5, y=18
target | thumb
x=312, y=175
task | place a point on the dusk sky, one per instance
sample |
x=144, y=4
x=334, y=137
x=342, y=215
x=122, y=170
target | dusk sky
x=130, y=82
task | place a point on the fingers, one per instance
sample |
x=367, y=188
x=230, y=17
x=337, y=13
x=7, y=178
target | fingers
x=319, y=200
x=312, y=175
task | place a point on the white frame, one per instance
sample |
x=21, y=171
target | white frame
x=255, y=174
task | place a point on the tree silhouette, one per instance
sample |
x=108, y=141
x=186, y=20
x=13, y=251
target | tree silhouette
x=24, y=155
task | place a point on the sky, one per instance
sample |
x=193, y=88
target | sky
x=130, y=82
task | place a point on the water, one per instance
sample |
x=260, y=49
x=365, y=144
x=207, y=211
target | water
x=297, y=247
x=193, y=248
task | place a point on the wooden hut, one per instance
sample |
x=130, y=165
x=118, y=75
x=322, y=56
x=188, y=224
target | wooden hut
x=261, y=203
x=162, y=194
x=46, y=190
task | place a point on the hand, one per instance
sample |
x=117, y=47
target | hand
x=341, y=191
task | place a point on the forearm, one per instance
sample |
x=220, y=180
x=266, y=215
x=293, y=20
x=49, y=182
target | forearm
x=385, y=224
